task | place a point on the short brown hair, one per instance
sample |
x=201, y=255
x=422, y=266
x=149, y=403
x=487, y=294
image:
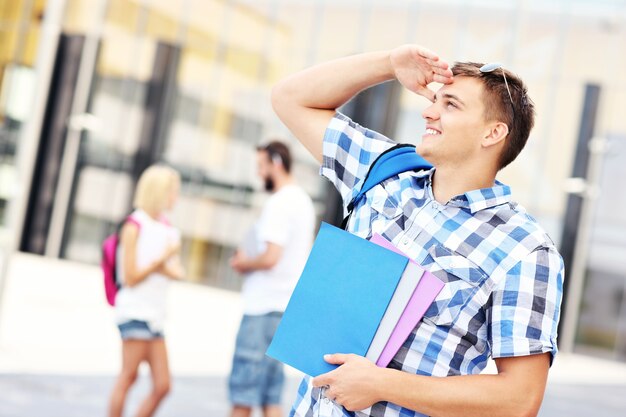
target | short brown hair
x=518, y=114
x=277, y=151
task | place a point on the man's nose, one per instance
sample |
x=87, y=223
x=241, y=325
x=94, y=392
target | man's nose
x=431, y=112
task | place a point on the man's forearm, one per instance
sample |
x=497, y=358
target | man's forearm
x=266, y=260
x=471, y=395
x=499, y=395
x=307, y=100
x=331, y=84
x=257, y=264
x=517, y=389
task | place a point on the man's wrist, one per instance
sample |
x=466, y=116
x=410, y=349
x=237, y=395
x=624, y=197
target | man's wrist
x=382, y=383
x=390, y=383
x=386, y=71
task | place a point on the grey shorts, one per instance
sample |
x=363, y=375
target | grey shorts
x=256, y=379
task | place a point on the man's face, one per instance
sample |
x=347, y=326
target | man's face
x=265, y=169
x=455, y=124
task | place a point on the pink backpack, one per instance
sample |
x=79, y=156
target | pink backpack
x=108, y=264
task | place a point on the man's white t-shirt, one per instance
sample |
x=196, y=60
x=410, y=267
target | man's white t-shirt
x=287, y=220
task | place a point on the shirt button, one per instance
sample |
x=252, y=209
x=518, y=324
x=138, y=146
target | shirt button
x=405, y=241
x=435, y=206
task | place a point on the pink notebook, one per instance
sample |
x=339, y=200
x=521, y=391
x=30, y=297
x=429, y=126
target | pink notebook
x=425, y=293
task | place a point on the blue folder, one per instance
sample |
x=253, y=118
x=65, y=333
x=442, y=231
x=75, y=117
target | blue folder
x=338, y=302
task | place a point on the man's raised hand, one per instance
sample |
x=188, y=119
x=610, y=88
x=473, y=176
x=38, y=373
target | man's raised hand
x=416, y=67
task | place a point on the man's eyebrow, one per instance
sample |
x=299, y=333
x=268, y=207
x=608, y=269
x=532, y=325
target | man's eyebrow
x=453, y=97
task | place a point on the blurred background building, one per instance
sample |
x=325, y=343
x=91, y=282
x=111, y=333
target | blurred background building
x=94, y=91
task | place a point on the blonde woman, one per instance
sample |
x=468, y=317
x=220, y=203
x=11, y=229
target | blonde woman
x=148, y=254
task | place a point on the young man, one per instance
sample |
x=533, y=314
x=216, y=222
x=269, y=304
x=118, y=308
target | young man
x=502, y=273
x=272, y=259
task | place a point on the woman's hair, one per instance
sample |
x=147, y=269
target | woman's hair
x=155, y=187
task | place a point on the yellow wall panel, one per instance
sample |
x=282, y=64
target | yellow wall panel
x=162, y=27
x=123, y=13
x=243, y=61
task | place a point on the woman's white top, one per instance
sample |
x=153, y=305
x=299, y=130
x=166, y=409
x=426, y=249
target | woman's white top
x=147, y=300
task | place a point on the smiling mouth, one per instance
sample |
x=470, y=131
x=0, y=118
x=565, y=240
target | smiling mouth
x=430, y=131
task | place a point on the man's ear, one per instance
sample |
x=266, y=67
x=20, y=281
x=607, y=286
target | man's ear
x=496, y=134
x=277, y=160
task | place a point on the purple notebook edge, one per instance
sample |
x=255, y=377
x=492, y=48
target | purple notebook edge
x=426, y=291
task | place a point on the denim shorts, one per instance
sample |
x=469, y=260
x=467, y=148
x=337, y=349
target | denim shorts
x=138, y=330
x=256, y=379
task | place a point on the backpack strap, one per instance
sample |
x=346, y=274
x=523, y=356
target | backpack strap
x=130, y=219
x=393, y=161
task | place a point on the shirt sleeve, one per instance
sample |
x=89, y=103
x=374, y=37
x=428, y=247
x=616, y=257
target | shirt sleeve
x=524, y=313
x=348, y=151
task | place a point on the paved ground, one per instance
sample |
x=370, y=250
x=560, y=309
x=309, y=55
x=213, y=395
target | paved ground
x=67, y=396
x=81, y=396
x=59, y=351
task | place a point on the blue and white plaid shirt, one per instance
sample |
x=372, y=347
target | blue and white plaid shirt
x=502, y=272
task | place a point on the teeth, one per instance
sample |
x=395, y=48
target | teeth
x=432, y=132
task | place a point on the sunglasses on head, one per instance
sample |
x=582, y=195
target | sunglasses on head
x=491, y=67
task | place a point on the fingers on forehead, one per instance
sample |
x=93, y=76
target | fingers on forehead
x=427, y=92
x=442, y=70
x=437, y=64
x=443, y=79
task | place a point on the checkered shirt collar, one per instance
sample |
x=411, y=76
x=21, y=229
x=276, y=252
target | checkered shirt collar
x=474, y=200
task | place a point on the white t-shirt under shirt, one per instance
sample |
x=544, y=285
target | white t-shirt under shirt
x=287, y=220
x=147, y=300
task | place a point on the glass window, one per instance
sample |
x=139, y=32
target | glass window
x=602, y=324
x=217, y=112
x=103, y=183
